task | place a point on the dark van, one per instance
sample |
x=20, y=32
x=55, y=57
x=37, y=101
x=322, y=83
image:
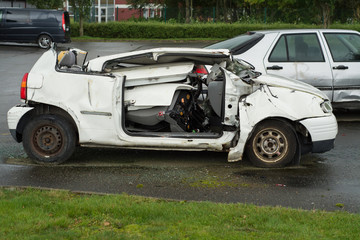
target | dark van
x=34, y=25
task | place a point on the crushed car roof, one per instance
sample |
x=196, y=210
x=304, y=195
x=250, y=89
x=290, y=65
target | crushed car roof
x=161, y=55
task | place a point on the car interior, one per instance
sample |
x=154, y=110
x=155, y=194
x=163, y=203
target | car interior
x=173, y=95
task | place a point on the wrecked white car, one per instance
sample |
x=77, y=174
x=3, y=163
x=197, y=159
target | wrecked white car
x=166, y=99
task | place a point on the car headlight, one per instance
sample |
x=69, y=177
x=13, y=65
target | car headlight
x=326, y=106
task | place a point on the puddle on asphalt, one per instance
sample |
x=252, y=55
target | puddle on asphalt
x=119, y=157
x=311, y=172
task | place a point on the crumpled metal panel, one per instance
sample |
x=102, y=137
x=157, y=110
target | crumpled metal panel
x=346, y=95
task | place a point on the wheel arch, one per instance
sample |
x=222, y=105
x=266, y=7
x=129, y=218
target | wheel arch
x=296, y=127
x=45, y=33
x=41, y=109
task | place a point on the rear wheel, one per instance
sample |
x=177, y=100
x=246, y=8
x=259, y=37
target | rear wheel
x=49, y=139
x=44, y=41
x=273, y=144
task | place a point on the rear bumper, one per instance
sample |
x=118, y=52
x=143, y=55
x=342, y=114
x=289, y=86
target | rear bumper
x=14, y=117
x=323, y=131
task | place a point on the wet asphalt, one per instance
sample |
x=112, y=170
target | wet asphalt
x=329, y=181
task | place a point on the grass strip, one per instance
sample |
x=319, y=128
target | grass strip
x=53, y=214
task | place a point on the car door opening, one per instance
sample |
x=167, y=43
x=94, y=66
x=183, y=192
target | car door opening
x=195, y=109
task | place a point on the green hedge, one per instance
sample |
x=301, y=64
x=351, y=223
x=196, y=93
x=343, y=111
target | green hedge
x=156, y=30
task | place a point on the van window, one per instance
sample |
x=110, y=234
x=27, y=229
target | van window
x=1, y=15
x=37, y=16
x=16, y=16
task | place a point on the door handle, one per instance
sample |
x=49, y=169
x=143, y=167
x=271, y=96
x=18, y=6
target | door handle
x=275, y=67
x=340, y=67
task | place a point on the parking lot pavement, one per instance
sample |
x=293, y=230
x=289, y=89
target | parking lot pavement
x=347, y=116
x=322, y=181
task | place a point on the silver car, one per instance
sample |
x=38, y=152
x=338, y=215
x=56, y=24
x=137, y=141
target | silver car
x=327, y=59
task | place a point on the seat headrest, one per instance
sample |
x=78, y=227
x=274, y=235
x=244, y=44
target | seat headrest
x=66, y=58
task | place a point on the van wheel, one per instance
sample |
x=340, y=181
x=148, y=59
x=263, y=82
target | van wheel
x=272, y=144
x=44, y=41
x=49, y=139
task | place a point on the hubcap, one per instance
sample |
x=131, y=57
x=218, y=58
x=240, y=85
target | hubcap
x=44, y=42
x=47, y=140
x=270, y=145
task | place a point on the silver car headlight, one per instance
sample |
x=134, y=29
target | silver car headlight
x=326, y=107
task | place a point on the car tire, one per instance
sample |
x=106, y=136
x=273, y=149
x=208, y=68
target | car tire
x=272, y=144
x=44, y=41
x=49, y=139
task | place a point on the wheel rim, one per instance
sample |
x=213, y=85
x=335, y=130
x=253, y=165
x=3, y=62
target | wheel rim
x=270, y=145
x=47, y=140
x=44, y=42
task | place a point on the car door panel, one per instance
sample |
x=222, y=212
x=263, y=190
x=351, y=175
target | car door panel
x=300, y=57
x=18, y=26
x=344, y=51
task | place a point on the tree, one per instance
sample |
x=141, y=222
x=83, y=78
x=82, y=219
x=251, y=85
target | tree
x=272, y=3
x=187, y=11
x=138, y=4
x=141, y=4
x=343, y=7
x=48, y=4
x=83, y=8
x=327, y=8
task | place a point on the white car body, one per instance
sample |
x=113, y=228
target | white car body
x=328, y=59
x=98, y=101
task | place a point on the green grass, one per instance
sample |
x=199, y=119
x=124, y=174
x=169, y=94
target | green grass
x=40, y=214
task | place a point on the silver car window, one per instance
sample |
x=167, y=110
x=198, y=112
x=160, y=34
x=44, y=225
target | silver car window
x=297, y=48
x=279, y=54
x=344, y=47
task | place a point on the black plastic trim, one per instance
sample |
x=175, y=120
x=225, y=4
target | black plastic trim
x=13, y=134
x=323, y=146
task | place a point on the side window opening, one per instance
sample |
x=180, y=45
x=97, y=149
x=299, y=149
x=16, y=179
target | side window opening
x=279, y=53
x=297, y=48
x=344, y=47
x=44, y=18
x=16, y=16
x=51, y=17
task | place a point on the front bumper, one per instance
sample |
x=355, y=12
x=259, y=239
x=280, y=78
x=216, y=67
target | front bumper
x=323, y=131
x=323, y=146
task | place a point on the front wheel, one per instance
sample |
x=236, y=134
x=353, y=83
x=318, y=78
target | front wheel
x=272, y=144
x=49, y=139
x=44, y=41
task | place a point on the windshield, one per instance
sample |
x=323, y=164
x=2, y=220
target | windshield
x=239, y=44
